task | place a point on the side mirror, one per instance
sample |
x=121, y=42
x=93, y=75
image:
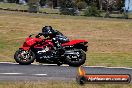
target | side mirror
x=31, y=35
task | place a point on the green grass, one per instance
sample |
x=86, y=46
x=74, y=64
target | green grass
x=14, y=6
x=110, y=42
x=110, y=59
x=59, y=84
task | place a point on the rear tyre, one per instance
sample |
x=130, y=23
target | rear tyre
x=80, y=60
x=24, y=57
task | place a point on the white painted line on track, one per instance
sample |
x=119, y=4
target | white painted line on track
x=7, y=63
x=119, y=67
x=93, y=66
x=10, y=73
x=68, y=65
x=40, y=74
x=108, y=67
x=34, y=64
x=64, y=65
x=43, y=64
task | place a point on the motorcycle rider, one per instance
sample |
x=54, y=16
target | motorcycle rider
x=56, y=37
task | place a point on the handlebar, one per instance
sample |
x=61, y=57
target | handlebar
x=31, y=35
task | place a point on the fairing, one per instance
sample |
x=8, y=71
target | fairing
x=74, y=42
x=29, y=42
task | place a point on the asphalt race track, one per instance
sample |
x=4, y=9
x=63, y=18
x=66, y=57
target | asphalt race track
x=35, y=72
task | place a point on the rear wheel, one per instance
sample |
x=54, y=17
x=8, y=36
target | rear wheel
x=24, y=57
x=76, y=60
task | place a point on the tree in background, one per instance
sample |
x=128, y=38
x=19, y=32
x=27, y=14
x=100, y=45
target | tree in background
x=42, y=2
x=4, y=1
x=112, y=5
x=33, y=6
x=121, y=4
x=81, y=4
x=68, y=7
x=49, y=3
x=92, y=10
x=89, y=2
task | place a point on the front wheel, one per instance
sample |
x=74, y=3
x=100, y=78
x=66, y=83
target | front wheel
x=76, y=59
x=24, y=57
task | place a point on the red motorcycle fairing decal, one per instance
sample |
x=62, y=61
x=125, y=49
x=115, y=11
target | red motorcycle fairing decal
x=25, y=46
x=73, y=42
x=46, y=43
x=29, y=42
x=50, y=42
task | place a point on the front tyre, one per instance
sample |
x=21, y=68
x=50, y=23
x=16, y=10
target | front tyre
x=76, y=60
x=24, y=57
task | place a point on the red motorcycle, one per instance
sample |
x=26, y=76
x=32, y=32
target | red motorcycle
x=42, y=50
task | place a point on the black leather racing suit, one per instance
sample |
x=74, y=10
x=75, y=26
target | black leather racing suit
x=57, y=38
